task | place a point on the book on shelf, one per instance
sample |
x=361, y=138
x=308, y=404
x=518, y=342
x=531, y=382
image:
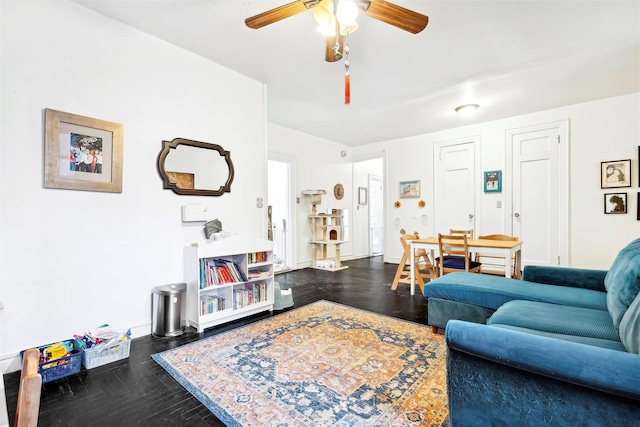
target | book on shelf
x=256, y=257
x=217, y=271
x=249, y=294
x=211, y=304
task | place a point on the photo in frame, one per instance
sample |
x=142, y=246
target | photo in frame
x=615, y=203
x=615, y=174
x=409, y=189
x=82, y=153
x=362, y=195
x=493, y=181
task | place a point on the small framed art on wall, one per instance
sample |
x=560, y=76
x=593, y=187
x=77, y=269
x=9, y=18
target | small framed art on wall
x=409, y=189
x=615, y=203
x=493, y=181
x=615, y=174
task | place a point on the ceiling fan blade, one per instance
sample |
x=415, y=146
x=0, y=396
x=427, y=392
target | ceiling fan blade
x=330, y=54
x=395, y=15
x=280, y=13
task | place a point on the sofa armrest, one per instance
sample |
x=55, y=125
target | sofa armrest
x=498, y=376
x=610, y=371
x=566, y=276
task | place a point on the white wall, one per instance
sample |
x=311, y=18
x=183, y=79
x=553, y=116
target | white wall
x=319, y=166
x=72, y=260
x=603, y=130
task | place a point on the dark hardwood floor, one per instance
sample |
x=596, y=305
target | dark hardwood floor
x=137, y=391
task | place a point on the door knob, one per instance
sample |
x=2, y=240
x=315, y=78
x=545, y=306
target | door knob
x=517, y=215
x=470, y=216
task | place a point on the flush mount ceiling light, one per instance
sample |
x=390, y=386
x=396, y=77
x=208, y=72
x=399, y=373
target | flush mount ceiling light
x=467, y=110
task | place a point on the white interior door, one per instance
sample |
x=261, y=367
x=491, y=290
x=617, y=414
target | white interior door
x=454, y=185
x=538, y=193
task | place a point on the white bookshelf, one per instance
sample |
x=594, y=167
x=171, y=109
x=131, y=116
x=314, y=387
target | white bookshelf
x=242, y=296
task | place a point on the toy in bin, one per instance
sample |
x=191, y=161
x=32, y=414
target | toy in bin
x=105, y=344
x=59, y=360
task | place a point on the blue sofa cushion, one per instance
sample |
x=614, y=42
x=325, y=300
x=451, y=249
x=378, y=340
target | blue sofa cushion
x=566, y=276
x=557, y=319
x=596, y=342
x=623, y=281
x=492, y=292
x=459, y=263
x=630, y=327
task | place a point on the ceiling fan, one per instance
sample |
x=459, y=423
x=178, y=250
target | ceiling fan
x=381, y=10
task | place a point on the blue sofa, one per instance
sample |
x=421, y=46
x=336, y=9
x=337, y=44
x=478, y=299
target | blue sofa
x=560, y=347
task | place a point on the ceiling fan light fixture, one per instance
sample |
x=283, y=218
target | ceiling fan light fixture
x=322, y=14
x=467, y=110
x=350, y=29
x=327, y=29
x=347, y=12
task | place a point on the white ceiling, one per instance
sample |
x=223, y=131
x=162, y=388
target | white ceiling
x=512, y=57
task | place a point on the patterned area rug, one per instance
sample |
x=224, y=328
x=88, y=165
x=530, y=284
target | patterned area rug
x=323, y=364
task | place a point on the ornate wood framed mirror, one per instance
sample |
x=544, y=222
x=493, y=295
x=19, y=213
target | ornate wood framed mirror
x=195, y=168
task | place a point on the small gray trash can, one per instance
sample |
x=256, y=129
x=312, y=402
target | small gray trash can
x=167, y=307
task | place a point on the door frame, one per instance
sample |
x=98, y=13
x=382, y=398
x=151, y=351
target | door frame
x=477, y=193
x=563, y=177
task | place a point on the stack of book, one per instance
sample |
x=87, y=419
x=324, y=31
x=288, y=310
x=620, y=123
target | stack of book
x=258, y=274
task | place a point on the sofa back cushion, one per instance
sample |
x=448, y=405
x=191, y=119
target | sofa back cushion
x=630, y=327
x=623, y=282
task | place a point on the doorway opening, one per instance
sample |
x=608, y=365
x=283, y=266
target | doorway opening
x=376, y=216
x=368, y=215
x=279, y=195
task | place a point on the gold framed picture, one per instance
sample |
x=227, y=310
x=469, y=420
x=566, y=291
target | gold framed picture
x=409, y=189
x=82, y=153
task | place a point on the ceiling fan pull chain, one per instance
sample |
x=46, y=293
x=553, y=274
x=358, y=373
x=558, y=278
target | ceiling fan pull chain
x=347, y=77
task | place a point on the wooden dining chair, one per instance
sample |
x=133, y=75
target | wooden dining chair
x=29, y=390
x=454, y=232
x=468, y=233
x=454, y=255
x=423, y=268
x=496, y=264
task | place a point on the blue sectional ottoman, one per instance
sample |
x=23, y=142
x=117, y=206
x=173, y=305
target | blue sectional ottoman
x=475, y=297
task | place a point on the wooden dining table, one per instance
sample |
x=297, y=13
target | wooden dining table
x=506, y=248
